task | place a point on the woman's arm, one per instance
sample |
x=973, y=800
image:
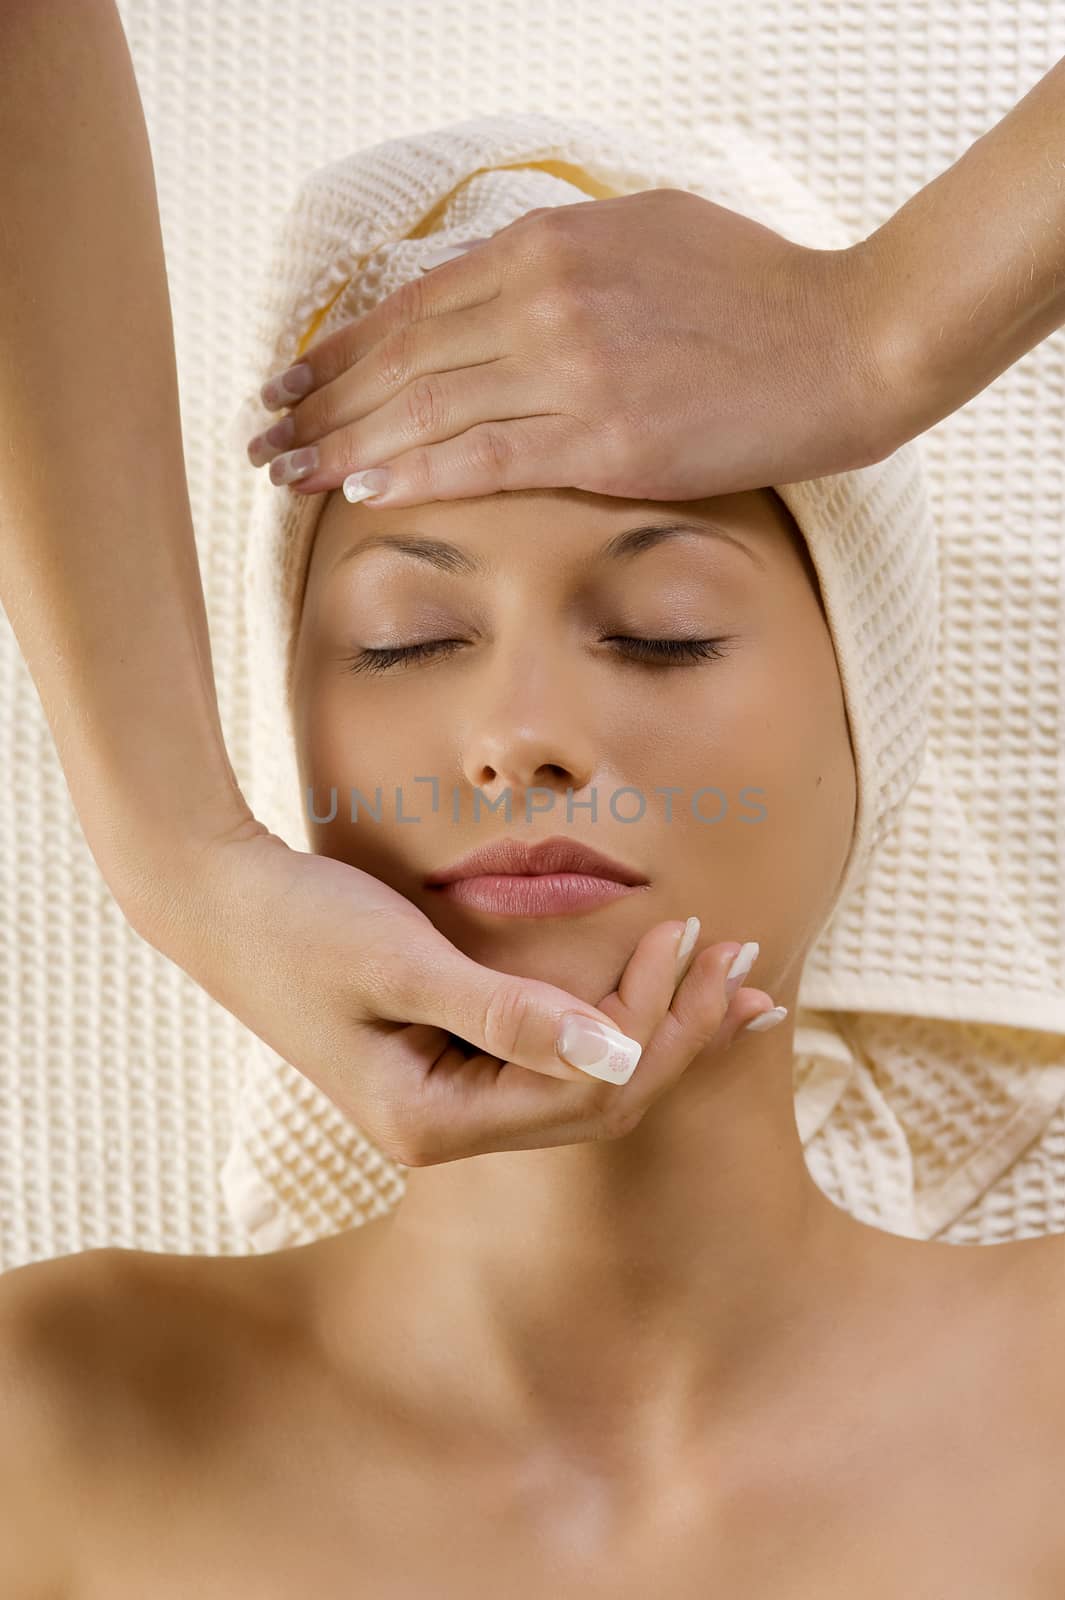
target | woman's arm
x=99, y=577
x=972, y=268
x=98, y=567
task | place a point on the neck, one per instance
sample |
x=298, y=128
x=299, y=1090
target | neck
x=616, y=1294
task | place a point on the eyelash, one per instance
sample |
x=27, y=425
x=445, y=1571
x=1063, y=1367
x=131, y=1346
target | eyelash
x=651, y=652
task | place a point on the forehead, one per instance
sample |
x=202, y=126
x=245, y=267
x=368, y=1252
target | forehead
x=515, y=527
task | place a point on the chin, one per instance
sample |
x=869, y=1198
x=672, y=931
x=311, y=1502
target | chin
x=589, y=979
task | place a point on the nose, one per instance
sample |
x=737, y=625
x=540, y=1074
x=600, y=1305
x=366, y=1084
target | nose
x=530, y=730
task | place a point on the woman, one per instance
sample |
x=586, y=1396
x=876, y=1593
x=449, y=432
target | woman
x=660, y=1356
x=664, y=1358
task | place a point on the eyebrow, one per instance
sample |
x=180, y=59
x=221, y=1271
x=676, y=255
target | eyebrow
x=624, y=546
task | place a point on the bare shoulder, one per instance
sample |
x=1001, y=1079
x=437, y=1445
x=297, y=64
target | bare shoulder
x=42, y=1304
x=45, y=1309
x=69, y=1329
x=39, y=1329
x=108, y=1325
x=116, y=1365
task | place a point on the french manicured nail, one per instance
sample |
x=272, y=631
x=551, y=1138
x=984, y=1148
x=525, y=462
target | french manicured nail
x=688, y=937
x=266, y=445
x=739, y=969
x=361, y=485
x=600, y=1051
x=766, y=1020
x=284, y=387
x=296, y=464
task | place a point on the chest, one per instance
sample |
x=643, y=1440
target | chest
x=290, y=1520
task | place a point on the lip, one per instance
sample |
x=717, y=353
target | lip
x=542, y=857
x=552, y=877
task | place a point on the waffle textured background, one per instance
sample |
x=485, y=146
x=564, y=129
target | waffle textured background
x=118, y=1077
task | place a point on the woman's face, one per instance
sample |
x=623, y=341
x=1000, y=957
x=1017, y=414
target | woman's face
x=736, y=767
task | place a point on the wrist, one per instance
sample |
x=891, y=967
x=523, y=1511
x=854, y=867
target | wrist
x=906, y=393
x=164, y=874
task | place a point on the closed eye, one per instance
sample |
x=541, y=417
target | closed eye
x=671, y=651
x=658, y=652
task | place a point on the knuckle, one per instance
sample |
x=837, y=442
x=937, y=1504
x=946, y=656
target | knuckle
x=395, y=356
x=420, y=475
x=409, y=301
x=424, y=404
x=489, y=451
x=504, y=1019
x=399, y=1147
x=710, y=1004
x=416, y=1152
x=527, y=216
x=347, y=452
x=333, y=354
x=556, y=227
x=619, y=1119
x=404, y=1135
x=319, y=414
x=553, y=306
x=619, y=444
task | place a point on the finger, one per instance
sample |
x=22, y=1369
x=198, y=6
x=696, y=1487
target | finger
x=538, y=452
x=354, y=373
x=700, y=1016
x=508, y=1018
x=758, y=1005
x=469, y=338
x=468, y=280
x=694, y=1008
x=474, y=1105
x=449, y=252
x=473, y=1102
x=744, y=1006
x=434, y=408
x=649, y=982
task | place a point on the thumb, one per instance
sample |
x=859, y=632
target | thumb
x=519, y=1020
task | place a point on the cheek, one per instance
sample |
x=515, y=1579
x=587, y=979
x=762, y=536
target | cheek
x=347, y=742
x=348, y=737
x=783, y=761
x=811, y=805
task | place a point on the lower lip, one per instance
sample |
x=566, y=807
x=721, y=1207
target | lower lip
x=546, y=894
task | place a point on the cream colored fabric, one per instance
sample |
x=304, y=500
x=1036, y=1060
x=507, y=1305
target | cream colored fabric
x=117, y=1074
x=909, y=932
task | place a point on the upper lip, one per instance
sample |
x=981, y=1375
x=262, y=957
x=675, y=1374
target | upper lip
x=557, y=854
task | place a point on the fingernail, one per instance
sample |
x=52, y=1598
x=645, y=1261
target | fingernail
x=265, y=445
x=684, y=949
x=296, y=464
x=284, y=387
x=766, y=1020
x=361, y=485
x=745, y=960
x=600, y=1051
x=436, y=258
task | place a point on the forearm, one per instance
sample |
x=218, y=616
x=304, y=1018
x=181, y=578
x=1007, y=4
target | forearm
x=972, y=268
x=98, y=566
